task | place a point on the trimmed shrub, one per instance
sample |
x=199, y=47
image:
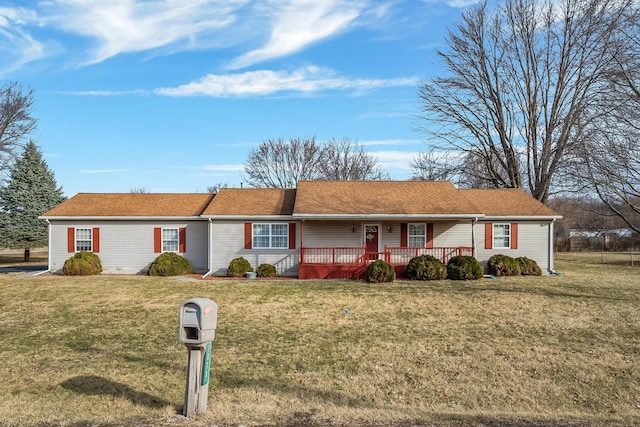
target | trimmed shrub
x=82, y=263
x=169, y=264
x=503, y=265
x=464, y=268
x=380, y=272
x=426, y=267
x=266, y=270
x=528, y=267
x=238, y=267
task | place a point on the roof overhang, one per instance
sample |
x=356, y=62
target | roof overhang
x=249, y=217
x=383, y=217
x=522, y=218
x=122, y=218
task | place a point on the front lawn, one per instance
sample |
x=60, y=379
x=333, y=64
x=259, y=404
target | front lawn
x=527, y=351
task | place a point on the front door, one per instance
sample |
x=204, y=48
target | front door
x=371, y=239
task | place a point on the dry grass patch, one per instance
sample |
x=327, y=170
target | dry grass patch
x=535, y=351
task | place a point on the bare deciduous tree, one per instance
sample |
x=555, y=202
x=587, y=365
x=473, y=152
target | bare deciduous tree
x=520, y=79
x=347, y=160
x=281, y=164
x=434, y=165
x=16, y=121
x=608, y=162
x=216, y=187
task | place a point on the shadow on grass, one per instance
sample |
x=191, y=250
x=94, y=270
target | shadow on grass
x=95, y=386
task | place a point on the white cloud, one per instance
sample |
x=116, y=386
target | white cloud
x=121, y=26
x=396, y=162
x=17, y=43
x=378, y=142
x=299, y=23
x=101, y=171
x=266, y=82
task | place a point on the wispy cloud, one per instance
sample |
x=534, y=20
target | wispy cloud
x=120, y=26
x=396, y=162
x=397, y=142
x=266, y=82
x=299, y=23
x=15, y=42
x=101, y=171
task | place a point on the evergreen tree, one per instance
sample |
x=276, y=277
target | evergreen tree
x=30, y=192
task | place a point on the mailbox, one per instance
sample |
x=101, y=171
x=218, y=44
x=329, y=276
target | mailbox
x=198, y=319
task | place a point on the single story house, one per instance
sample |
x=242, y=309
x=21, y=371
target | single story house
x=321, y=229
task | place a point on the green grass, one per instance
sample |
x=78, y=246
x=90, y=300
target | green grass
x=531, y=351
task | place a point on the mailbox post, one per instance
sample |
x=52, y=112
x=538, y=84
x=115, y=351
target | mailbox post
x=198, y=320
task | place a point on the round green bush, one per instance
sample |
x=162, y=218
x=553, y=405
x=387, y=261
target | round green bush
x=503, y=265
x=528, y=267
x=266, y=270
x=170, y=264
x=426, y=267
x=380, y=272
x=464, y=268
x=238, y=267
x=82, y=263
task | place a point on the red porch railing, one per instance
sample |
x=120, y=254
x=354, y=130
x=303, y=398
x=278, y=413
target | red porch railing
x=392, y=255
x=400, y=255
x=331, y=255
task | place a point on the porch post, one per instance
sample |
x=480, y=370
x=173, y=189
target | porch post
x=301, y=242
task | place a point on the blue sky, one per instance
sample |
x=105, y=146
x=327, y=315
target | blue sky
x=170, y=95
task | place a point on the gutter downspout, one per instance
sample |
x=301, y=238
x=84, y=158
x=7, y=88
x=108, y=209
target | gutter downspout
x=48, y=250
x=209, y=251
x=551, y=228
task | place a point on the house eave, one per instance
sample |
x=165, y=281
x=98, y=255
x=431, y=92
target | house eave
x=121, y=218
x=387, y=217
x=521, y=218
x=248, y=217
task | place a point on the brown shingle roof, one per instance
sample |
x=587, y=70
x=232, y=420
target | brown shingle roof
x=382, y=198
x=132, y=205
x=507, y=202
x=320, y=198
x=252, y=202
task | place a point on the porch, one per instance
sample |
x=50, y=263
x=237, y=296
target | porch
x=352, y=262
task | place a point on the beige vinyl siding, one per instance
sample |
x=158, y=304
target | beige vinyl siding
x=533, y=242
x=337, y=234
x=127, y=247
x=227, y=243
x=452, y=234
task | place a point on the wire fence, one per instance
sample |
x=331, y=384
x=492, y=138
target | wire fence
x=628, y=258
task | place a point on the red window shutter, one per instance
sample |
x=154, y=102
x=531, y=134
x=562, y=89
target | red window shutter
x=292, y=235
x=157, y=240
x=429, y=235
x=182, y=243
x=95, y=236
x=403, y=235
x=514, y=236
x=71, y=239
x=488, y=236
x=247, y=235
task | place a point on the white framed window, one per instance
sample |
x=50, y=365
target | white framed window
x=84, y=241
x=501, y=236
x=417, y=235
x=270, y=236
x=170, y=240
